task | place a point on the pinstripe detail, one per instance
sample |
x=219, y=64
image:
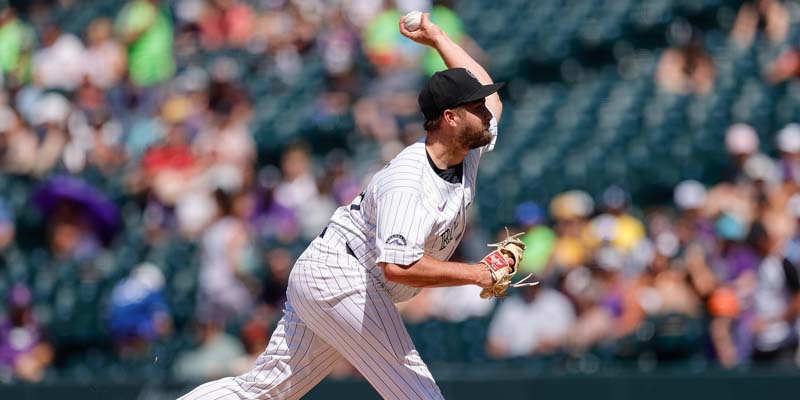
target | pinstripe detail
x=352, y=314
x=288, y=380
x=339, y=321
x=340, y=305
x=362, y=359
x=388, y=309
x=279, y=370
x=320, y=371
x=404, y=198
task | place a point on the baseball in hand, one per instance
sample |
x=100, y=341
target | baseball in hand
x=412, y=21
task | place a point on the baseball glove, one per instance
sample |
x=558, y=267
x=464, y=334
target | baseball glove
x=498, y=262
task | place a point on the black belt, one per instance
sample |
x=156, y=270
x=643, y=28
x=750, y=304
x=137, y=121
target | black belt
x=346, y=245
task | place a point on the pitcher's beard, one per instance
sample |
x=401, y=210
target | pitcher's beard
x=473, y=139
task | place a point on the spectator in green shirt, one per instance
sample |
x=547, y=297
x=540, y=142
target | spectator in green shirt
x=451, y=23
x=17, y=40
x=538, y=238
x=146, y=28
x=384, y=44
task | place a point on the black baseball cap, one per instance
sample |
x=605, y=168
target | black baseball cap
x=450, y=88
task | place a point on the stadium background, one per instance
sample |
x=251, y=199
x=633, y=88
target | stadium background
x=127, y=126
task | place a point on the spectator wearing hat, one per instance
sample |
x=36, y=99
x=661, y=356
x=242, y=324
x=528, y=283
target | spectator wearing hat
x=571, y=211
x=769, y=196
x=690, y=197
x=737, y=247
x=788, y=141
x=735, y=257
x=749, y=165
x=735, y=265
x=538, y=238
x=762, y=171
x=774, y=208
x=696, y=235
x=616, y=226
x=751, y=177
x=138, y=313
x=741, y=143
x=694, y=225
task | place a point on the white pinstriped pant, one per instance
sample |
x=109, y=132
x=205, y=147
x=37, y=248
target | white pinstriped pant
x=334, y=309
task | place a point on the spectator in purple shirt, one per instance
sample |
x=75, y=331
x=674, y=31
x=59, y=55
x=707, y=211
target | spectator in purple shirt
x=24, y=354
x=735, y=267
x=735, y=257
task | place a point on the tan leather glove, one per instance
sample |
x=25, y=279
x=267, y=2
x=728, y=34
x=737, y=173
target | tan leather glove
x=502, y=263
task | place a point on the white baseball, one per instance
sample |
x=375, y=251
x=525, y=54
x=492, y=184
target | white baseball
x=412, y=21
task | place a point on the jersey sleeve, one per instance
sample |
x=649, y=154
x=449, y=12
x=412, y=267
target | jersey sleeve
x=403, y=224
x=493, y=131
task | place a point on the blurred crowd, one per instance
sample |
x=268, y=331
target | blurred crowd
x=140, y=129
x=141, y=126
x=716, y=272
x=687, y=67
x=712, y=278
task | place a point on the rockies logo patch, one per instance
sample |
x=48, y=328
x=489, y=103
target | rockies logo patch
x=397, y=240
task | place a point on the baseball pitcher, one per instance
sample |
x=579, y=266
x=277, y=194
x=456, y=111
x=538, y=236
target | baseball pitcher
x=391, y=241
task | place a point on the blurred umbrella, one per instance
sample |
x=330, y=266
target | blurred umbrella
x=90, y=201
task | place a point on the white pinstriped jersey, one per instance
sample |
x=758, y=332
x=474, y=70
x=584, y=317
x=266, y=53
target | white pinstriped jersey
x=339, y=305
x=407, y=210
